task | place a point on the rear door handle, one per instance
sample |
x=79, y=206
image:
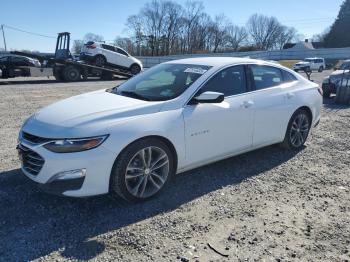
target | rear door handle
x=247, y=104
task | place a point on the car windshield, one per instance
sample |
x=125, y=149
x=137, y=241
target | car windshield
x=308, y=60
x=162, y=82
x=345, y=66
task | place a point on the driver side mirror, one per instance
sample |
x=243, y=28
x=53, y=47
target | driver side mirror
x=208, y=97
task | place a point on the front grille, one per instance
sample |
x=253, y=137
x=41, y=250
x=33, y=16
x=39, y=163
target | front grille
x=35, y=139
x=32, y=162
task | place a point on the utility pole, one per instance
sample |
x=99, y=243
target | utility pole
x=3, y=36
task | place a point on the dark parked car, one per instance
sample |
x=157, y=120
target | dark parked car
x=337, y=78
x=15, y=65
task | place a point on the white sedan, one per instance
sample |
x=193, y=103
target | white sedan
x=174, y=117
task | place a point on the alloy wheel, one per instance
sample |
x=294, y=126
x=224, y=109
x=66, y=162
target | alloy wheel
x=299, y=130
x=147, y=172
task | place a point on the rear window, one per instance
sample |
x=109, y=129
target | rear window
x=90, y=43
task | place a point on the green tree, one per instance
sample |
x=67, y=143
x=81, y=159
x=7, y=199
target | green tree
x=339, y=34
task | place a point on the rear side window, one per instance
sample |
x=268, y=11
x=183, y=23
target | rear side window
x=266, y=76
x=120, y=51
x=288, y=77
x=108, y=47
x=229, y=81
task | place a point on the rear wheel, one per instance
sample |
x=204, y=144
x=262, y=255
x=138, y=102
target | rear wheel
x=320, y=69
x=135, y=69
x=142, y=170
x=100, y=60
x=71, y=74
x=297, y=130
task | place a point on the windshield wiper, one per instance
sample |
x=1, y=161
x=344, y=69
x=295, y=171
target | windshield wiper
x=135, y=95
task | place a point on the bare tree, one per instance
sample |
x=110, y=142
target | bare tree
x=164, y=27
x=236, y=36
x=194, y=9
x=287, y=35
x=264, y=31
x=174, y=21
x=135, y=23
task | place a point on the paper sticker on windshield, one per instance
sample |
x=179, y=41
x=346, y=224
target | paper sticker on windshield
x=195, y=70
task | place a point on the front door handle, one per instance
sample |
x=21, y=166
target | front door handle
x=247, y=104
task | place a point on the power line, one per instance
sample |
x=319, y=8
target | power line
x=28, y=32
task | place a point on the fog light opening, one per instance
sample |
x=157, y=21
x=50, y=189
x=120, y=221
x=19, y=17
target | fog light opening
x=68, y=175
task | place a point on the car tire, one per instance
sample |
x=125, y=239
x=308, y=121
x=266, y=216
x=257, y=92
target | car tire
x=326, y=91
x=136, y=178
x=320, y=70
x=298, y=130
x=71, y=74
x=135, y=69
x=100, y=60
x=107, y=76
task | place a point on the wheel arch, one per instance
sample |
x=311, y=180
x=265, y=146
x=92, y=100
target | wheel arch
x=99, y=54
x=308, y=111
x=161, y=138
x=134, y=63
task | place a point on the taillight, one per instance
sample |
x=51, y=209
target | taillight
x=93, y=46
x=319, y=89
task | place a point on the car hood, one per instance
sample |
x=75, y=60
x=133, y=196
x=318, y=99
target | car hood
x=339, y=72
x=86, y=115
x=303, y=63
x=337, y=75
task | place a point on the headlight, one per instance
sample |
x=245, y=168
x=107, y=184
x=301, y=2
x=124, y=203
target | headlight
x=75, y=145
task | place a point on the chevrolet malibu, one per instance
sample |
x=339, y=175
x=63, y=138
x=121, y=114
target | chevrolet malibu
x=176, y=116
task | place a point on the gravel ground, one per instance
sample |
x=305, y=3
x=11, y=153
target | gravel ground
x=267, y=205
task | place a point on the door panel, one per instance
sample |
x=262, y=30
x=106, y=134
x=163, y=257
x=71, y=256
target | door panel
x=271, y=115
x=271, y=104
x=215, y=130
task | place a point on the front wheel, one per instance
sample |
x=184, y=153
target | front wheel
x=297, y=130
x=135, y=69
x=320, y=70
x=142, y=170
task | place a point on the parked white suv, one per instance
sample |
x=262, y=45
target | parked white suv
x=310, y=64
x=102, y=54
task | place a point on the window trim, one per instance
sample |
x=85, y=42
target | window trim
x=268, y=88
x=249, y=81
x=214, y=74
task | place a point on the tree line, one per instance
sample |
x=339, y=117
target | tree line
x=164, y=27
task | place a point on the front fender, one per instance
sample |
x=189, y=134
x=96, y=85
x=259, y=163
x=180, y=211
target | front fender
x=167, y=124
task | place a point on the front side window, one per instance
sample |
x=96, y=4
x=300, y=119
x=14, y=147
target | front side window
x=229, y=81
x=266, y=76
x=162, y=82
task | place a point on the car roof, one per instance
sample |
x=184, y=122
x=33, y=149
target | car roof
x=219, y=61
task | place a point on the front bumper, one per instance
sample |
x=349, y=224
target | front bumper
x=97, y=164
